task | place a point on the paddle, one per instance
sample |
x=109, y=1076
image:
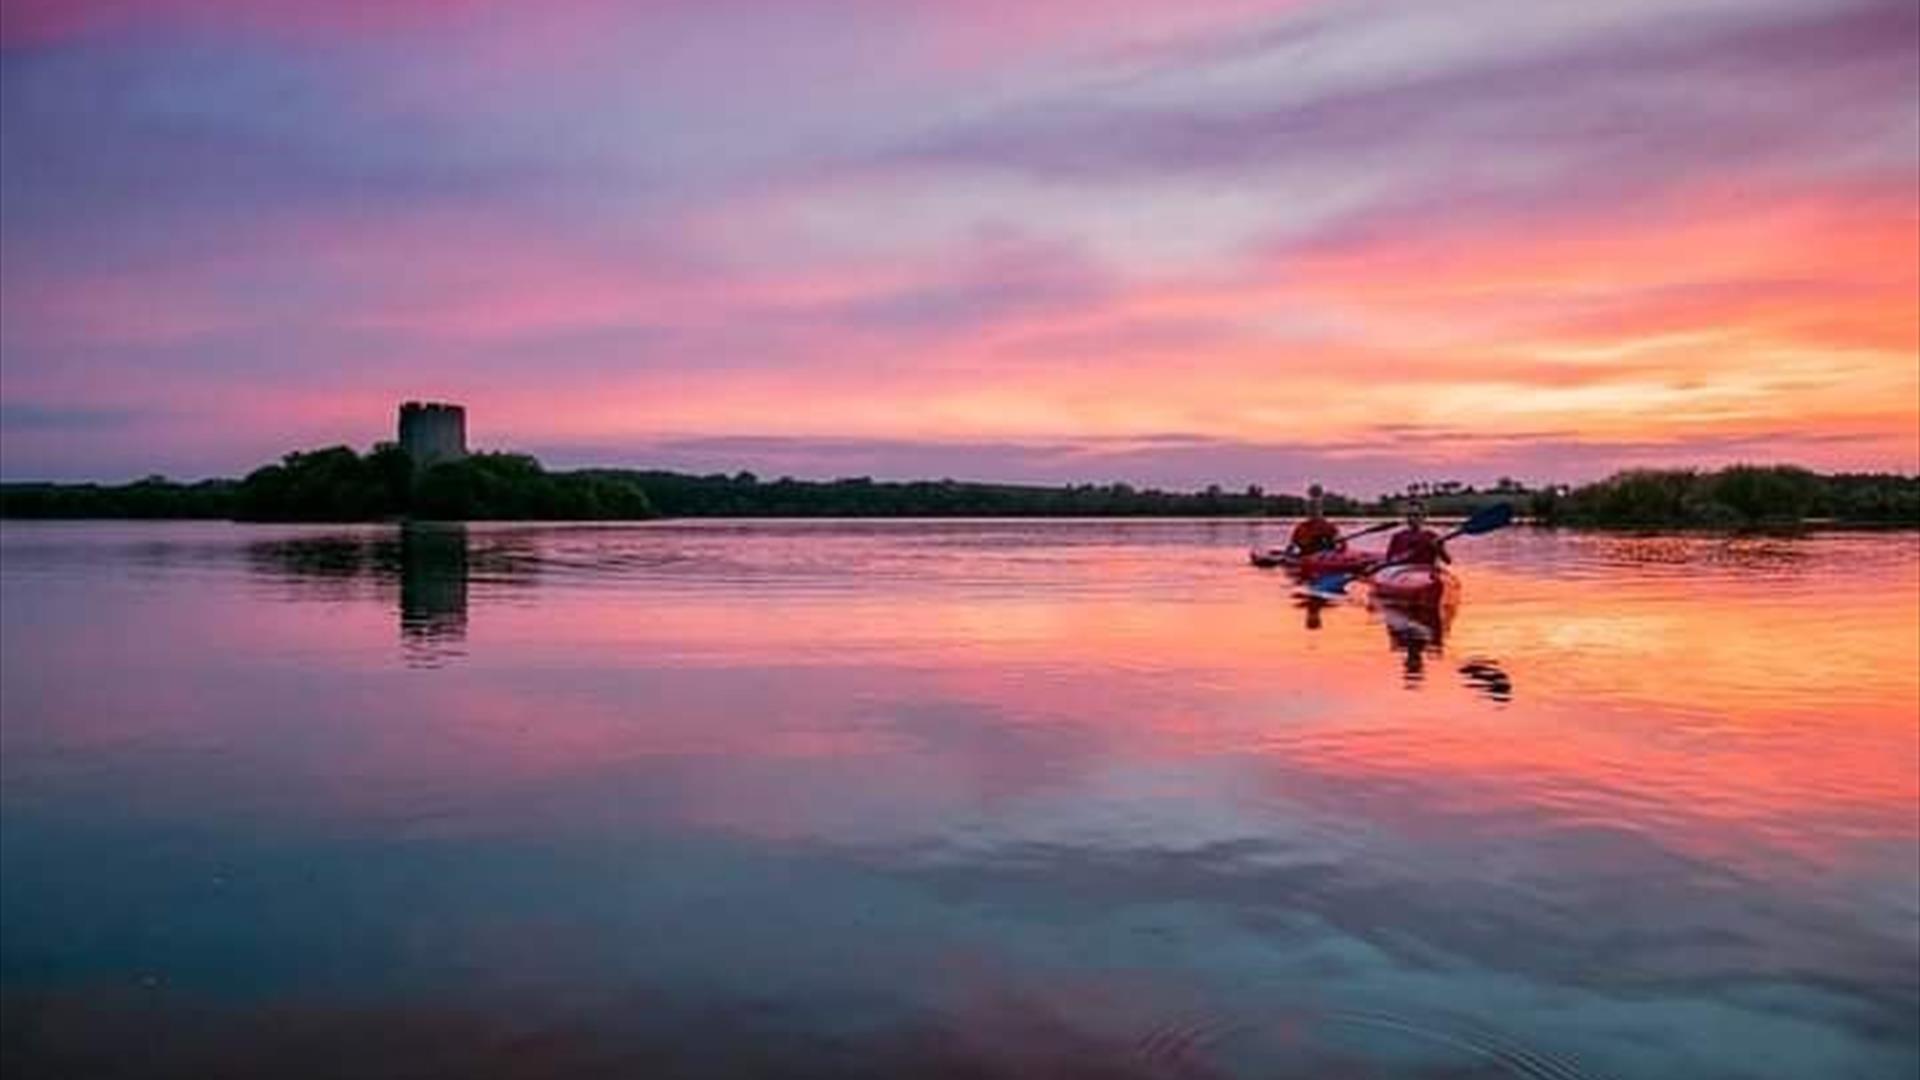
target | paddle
x=1485, y=520
x=1381, y=526
x=1344, y=537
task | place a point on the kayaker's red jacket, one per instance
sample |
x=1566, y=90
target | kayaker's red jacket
x=1417, y=546
x=1315, y=535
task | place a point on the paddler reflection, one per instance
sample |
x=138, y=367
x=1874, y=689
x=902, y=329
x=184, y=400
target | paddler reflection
x=1313, y=606
x=1416, y=633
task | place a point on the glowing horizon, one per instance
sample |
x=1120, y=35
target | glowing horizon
x=1053, y=241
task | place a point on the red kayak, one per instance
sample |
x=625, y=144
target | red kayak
x=1416, y=586
x=1325, y=562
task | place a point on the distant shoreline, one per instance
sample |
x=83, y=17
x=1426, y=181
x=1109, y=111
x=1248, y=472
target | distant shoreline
x=1782, y=531
x=338, y=485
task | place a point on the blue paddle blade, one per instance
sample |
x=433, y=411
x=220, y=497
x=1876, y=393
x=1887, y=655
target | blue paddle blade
x=1332, y=584
x=1487, y=519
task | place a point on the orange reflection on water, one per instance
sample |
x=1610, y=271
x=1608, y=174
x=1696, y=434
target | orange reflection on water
x=1722, y=697
x=1635, y=780
x=1697, y=700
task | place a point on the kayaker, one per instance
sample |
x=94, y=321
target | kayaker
x=1416, y=544
x=1316, y=534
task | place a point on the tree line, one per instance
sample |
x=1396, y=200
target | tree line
x=1740, y=496
x=745, y=495
x=338, y=484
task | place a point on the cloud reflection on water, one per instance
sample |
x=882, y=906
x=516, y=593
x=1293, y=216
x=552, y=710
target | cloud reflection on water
x=845, y=785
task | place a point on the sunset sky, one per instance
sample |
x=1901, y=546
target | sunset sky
x=1167, y=243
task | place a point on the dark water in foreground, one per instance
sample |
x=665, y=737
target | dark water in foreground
x=950, y=799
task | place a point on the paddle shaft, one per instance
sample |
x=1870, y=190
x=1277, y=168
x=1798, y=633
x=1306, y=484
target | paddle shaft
x=1381, y=526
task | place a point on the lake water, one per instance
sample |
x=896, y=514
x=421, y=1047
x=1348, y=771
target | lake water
x=928, y=799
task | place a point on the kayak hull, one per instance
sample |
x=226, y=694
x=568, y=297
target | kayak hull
x=1416, y=586
x=1325, y=562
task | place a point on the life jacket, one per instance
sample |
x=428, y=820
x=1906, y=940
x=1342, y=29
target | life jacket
x=1411, y=545
x=1315, y=535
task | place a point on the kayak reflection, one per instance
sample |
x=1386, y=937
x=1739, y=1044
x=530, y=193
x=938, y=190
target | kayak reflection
x=1416, y=632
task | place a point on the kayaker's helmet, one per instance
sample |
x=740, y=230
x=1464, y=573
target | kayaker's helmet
x=1313, y=499
x=1416, y=511
x=1314, y=491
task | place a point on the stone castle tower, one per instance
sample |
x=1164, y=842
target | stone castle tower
x=433, y=432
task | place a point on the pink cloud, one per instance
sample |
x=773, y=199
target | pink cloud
x=606, y=226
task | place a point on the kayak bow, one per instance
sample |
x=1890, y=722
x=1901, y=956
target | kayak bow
x=1421, y=585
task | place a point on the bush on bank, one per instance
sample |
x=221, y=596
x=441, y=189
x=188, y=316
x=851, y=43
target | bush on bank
x=1740, y=496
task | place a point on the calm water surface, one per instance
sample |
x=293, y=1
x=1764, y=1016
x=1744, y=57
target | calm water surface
x=951, y=798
